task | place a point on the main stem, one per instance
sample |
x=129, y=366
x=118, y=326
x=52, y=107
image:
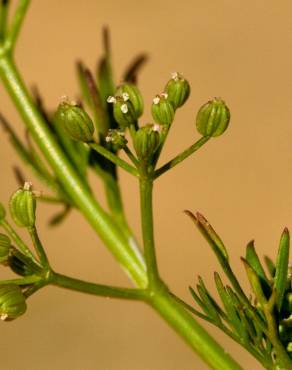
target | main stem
x=146, y=188
x=182, y=322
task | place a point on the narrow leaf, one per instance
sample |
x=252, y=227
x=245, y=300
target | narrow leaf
x=213, y=301
x=209, y=233
x=282, y=267
x=59, y=217
x=131, y=73
x=198, y=300
x=232, y=316
x=80, y=71
x=104, y=71
x=98, y=110
x=211, y=309
x=192, y=310
x=270, y=266
x=255, y=283
x=253, y=260
x=219, y=250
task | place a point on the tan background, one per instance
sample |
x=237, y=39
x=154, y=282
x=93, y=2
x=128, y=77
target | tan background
x=239, y=50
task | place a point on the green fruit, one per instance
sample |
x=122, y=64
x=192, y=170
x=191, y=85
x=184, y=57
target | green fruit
x=124, y=112
x=75, y=122
x=178, y=90
x=23, y=206
x=132, y=93
x=146, y=141
x=12, y=302
x=213, y=118
x=162, y=110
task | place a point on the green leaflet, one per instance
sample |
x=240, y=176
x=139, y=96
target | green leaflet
x=253, y=260
x=270, y=266
x=255, y=283
x=282, y=267
x=131, y=73
x=226, y=299
x=104, y=73
x=210, y=308
x=210, y=234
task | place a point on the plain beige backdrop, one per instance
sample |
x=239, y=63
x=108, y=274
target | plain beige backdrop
x=242, y=181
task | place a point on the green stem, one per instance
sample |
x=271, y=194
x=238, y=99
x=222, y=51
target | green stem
x=96, y=289
x=3, y=19
x=282, y=357
x=182, y=156
x=146, y=188
x=114, y=158
x=97, y=217
x=115, y=204
x=16, y=238
x=23, y=281
x=190, y=330
x=39, y=247
x=131, y=156
x=17, y=21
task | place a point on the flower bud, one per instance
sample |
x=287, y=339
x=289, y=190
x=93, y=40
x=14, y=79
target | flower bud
x=75, y=121
x=146, y=141
x=22, y=206
x=178, y=90
x=124, y=111
x=162, y=110
x=2, y=212
x=213, y=118
x=5, y=245
x=116, y=138
x=12, y=302
x=133, y=94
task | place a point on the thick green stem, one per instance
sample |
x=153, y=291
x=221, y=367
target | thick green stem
x=92, y=211
x=146, y=187
x=190, y=330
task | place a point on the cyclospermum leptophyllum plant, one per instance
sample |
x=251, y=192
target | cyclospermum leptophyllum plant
x=72, y=142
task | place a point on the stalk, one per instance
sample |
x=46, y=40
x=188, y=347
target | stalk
x=146, y=187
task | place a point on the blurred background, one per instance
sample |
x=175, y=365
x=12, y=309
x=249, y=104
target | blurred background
x=241, y=181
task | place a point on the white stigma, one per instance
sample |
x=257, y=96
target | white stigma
x=156, y=100
x=27, y=185
x=124, y=108
x=125, y=96
x=175, y=76
x=156, y=127
x=111, y=99
x=64, y=99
